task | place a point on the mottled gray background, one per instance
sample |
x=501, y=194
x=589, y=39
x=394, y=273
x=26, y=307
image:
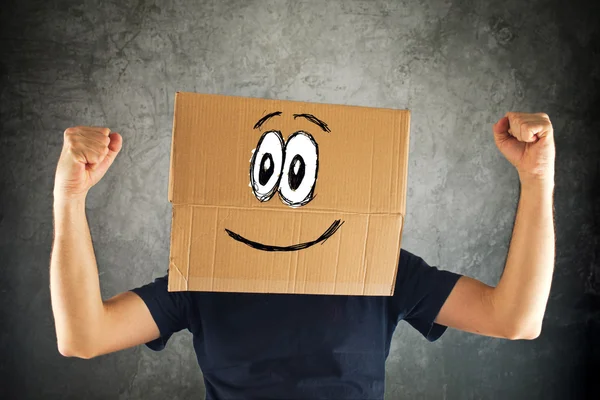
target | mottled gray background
x=458, y=65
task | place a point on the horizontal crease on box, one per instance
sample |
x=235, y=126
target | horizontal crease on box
x=261, y=208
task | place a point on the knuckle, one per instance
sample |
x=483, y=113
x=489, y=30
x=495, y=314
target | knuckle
x=70, y=131
x=516, y=123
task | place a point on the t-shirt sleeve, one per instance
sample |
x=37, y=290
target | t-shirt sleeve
x=170, y=310
x=420, y=293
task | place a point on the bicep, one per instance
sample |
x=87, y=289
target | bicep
x=127, y=322
x=470, y=308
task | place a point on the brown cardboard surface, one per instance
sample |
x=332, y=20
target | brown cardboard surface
x=347, y=226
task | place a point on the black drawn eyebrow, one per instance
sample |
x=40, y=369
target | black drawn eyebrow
x=265, y=118
x=314, y=120
x=295, y=247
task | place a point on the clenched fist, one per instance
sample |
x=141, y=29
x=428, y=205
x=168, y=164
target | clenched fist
x=527, y=141
x=87, y=154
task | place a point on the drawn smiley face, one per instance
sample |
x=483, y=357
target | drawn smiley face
x=289, y=168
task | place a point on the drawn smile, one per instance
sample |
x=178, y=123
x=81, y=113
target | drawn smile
x=294, y=247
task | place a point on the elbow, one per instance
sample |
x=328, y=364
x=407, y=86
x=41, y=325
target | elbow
x=524, y=331
x=67, y=349
x=78, y=340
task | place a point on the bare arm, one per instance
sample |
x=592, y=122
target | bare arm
x=515, y=308
x=85, y=325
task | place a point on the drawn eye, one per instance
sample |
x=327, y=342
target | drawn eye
x=266, y=164
x=300, y=168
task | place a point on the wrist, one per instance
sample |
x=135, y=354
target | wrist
x=66, y=201
x=540, y=185
x=68, y=212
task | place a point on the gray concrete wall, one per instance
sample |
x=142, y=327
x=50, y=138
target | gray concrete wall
x=458, y=65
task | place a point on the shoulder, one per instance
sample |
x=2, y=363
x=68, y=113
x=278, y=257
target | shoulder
x=409, y=259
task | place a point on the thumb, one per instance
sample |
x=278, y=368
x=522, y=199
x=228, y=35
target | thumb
x=114, y=147
x=500, y=129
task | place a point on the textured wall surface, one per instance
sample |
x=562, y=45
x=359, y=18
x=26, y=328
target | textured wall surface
x=458, y=65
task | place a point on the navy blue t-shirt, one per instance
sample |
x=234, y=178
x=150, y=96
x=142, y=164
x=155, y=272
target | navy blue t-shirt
x=290, y=346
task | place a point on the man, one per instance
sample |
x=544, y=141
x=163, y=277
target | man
x=300, y=346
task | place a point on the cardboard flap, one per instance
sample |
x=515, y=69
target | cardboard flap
x=357, y=259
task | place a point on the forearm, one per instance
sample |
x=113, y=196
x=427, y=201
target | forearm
x=74, y=284
x=522, y=293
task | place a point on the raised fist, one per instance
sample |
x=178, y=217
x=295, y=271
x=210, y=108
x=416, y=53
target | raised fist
x=527, y=141
x=87, y=154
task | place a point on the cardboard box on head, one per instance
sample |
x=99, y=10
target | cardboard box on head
x=275, y=196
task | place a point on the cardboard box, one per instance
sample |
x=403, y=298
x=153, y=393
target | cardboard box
x=286, y=197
